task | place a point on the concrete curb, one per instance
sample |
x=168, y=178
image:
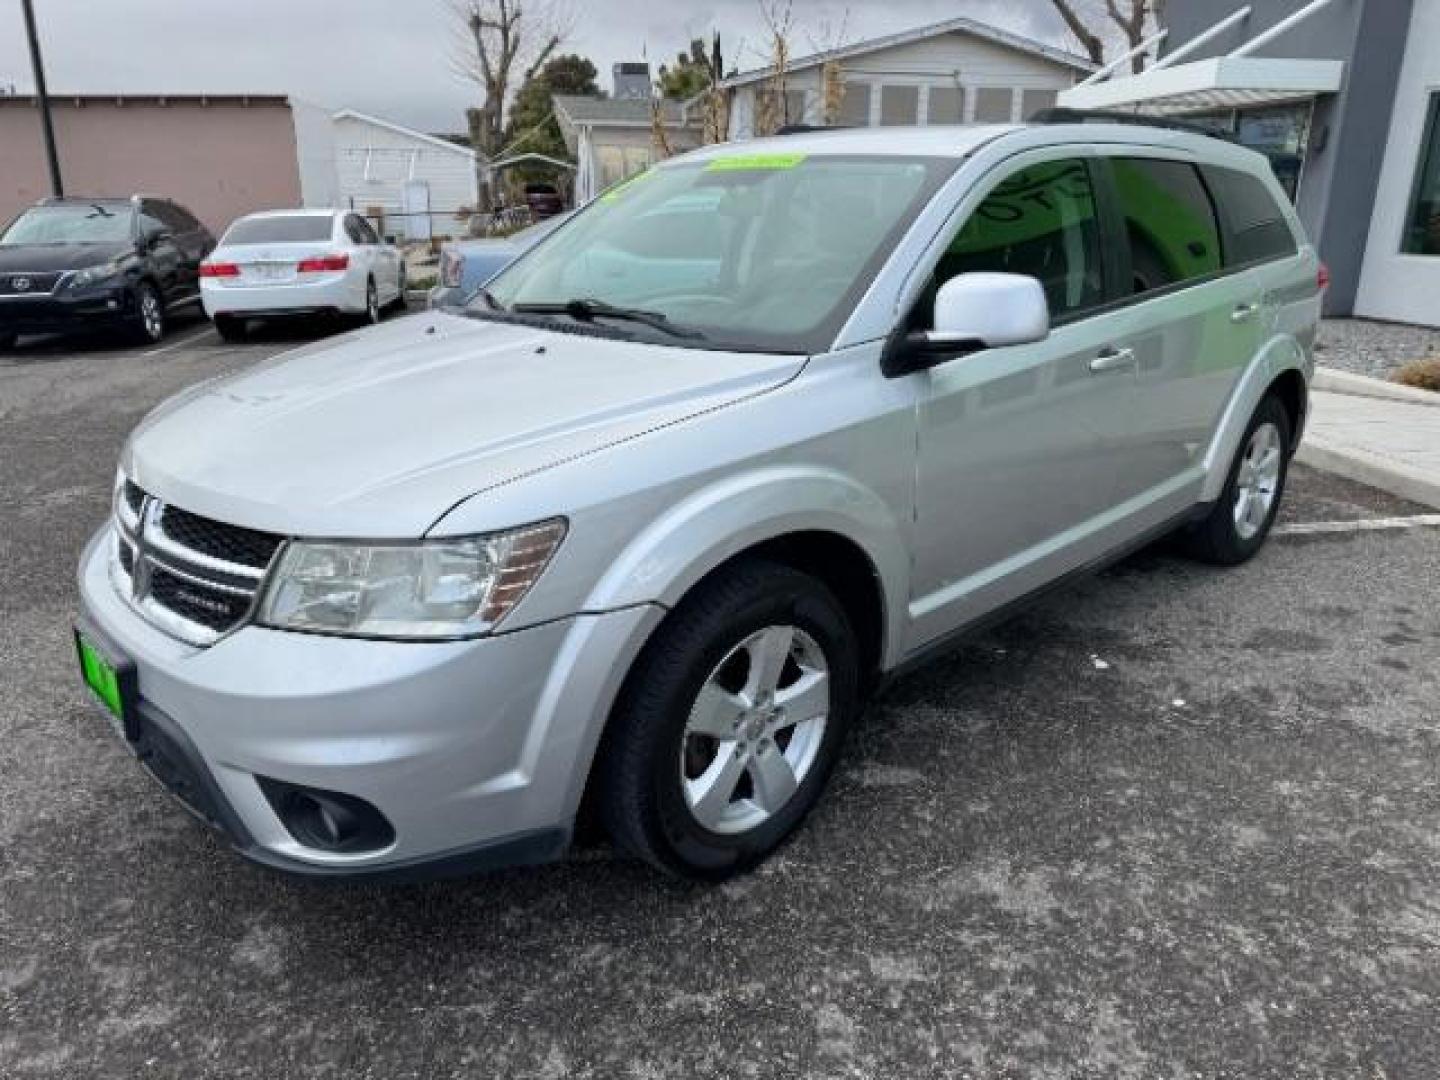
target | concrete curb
x=1372, y=469
x=1344, y=382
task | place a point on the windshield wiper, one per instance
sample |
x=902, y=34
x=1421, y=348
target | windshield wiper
x=587, y=310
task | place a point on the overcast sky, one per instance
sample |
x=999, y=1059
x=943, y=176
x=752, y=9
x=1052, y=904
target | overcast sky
x=391, y=57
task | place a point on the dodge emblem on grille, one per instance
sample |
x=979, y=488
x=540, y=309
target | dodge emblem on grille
x=20, y=284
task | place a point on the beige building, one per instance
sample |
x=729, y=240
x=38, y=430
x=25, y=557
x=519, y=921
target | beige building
x=612, y=139
x=218, y=155
x=955, y=72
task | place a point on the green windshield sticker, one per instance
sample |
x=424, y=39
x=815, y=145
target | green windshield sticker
x=754, y=162
x=625, y=185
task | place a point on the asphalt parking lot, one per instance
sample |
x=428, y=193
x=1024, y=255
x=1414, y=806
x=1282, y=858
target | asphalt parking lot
x=1171, y=822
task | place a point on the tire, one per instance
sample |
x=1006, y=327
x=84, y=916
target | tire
x=372, y=313
x=230, y=328
x=1237, y=526
x=148, y=323
x=652, y=768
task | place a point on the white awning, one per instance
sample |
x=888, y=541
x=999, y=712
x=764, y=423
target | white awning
x=1226, y=82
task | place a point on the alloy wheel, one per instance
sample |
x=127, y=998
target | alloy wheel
x=152, y=318
x=1257, y=481
x=755, y=729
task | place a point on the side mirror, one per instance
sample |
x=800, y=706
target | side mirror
x=155, y=239
x=973, y=312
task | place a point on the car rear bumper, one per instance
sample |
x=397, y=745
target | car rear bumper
x=475, y=752
x=331, y=292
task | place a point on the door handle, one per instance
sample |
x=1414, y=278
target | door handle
x=1244, y=312
x=1112, y=359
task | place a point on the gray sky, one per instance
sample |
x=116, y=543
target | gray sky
x=391, y=57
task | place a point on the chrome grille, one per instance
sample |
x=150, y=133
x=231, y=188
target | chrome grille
x=23, y=284
x=195, y=578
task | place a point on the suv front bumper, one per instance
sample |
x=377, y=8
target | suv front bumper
x=476, y=752
x=64, y=312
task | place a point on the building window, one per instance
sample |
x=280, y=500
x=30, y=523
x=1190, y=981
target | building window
x=1422, y=223
x=1032, y=101
x=992, y=104
x=947, y=105
x=899, y=104
x=855, y=105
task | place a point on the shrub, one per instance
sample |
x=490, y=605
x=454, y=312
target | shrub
x=1423, y=374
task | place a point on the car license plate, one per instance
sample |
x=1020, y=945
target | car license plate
x=110, y=681
x=274, y=271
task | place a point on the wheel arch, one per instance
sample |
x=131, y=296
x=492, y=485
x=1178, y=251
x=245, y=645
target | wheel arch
x=1282, y=368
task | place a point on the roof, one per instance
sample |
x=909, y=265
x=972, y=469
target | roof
x=1225, y=82
x=937, y=141
x=296, y=212
x=579, y=110
x=401, y=129
x=920, y=33
x=79, y=100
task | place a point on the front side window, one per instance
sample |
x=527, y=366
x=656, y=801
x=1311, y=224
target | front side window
x=1040, y=222
x=755, y=251
x=1256, y=229
x=72, y=223
x=1422, y=222
x=1170, y=223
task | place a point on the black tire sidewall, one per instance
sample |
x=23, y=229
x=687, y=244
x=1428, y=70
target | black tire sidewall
x=143, y=290
x=708, y=632
x=1229, y=546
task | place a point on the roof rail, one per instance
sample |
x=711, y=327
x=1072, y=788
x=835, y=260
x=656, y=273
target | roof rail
x=806, y=129
x=1105, y=116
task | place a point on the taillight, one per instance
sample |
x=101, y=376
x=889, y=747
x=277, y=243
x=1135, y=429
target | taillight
x=324, y=264
x=1322, y=277
x=219, y=269
x=450, y=269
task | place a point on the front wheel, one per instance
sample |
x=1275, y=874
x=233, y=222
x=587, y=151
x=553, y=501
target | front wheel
x=148, y=326
x=730, y=723
x=1237, y=526
x=372, y=313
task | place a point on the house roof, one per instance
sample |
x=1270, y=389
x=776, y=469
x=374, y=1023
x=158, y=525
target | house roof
x=578, y=110
x=81, y=100
x=400, y=129
x=920, y=33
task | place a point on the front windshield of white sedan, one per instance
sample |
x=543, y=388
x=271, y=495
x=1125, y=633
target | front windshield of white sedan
x=747, y=251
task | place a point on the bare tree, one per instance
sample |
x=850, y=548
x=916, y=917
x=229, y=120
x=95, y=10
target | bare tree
x=1086, y=20
x=771, y=98
x=500, y=44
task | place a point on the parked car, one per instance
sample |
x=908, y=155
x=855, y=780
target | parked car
x=544, y=200
x=465, y=265
x=124, y=264
x=285, y=263
x=641, y=544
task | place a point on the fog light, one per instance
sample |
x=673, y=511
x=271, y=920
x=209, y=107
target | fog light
x=328, y=820
x=112, y=304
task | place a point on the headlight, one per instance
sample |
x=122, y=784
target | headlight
x=433, y=590
x=94, y=275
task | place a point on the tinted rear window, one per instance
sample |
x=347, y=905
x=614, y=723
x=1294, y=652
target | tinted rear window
x=1170, y=223
x=1256, y=229
x=298, y=229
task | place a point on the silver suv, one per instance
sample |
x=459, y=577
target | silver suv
x=631, y=538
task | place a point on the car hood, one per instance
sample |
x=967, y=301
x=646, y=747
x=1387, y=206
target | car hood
x=48, y=258
x=381, y=432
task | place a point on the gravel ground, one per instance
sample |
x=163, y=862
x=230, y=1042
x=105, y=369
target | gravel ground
x=1376, y=349
x=1170, y=823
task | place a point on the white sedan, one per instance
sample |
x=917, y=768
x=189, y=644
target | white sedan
x=300, y=262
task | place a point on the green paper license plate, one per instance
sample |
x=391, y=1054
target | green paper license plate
x=108, y=681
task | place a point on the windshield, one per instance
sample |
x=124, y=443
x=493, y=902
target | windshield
x=749, y=251
x=70, y=224
x=289, y=229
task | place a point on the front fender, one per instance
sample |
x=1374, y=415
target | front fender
x=1280, y=354
x=712, y=525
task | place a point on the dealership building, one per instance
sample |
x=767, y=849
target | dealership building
x=1344, y=98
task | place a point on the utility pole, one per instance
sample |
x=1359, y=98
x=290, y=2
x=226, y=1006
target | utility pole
x=37, y=66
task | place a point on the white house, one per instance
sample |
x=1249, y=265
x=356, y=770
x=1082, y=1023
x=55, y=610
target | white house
x=952, y=72
x=411, y=182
